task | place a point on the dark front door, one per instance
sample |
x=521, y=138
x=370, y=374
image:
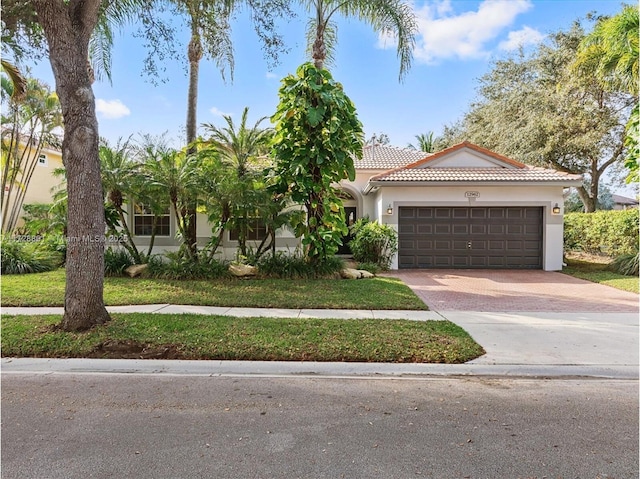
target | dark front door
x=440, y=237
x=350, y=216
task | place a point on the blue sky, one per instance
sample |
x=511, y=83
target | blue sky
x=456, y=43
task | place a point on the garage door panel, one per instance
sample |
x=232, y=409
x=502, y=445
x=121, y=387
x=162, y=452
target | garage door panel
x=499, y=237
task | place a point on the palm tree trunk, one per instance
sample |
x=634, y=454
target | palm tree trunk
x=195, y=55
x=68, y=27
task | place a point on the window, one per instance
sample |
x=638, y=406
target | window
x=257, y=231
x=143, y=222
x=42, y=160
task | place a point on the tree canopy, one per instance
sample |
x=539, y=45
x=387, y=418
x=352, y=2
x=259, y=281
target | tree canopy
x=533, y=108
x=317, y=137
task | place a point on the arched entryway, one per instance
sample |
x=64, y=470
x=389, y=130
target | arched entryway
x=350, y=204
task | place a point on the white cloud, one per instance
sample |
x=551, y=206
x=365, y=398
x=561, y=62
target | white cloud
x=271, y=75
x=521, y=38
x=112, y=109
x=216, y=112
x=444, y=34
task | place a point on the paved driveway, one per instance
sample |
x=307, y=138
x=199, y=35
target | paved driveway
x=514, y=290
x=536, y=318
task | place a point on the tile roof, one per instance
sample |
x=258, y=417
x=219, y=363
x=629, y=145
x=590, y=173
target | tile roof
x=385, y=157
x=528, y=173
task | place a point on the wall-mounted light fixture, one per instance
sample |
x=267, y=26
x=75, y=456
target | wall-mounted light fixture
x=556, y=209
x=389, y=210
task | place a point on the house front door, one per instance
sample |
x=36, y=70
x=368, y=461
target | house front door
x=350, y=216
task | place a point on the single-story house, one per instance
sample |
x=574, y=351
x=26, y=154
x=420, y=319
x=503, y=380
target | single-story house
x=463, y=207
x=623, y=202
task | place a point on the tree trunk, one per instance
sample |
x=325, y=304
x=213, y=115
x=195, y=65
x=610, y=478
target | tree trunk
x=68, y=27
x=195, y=55
x=319, y=49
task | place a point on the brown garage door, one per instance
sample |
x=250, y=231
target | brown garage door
x=437, y=237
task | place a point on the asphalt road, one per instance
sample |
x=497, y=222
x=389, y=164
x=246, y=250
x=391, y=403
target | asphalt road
x=155, y=426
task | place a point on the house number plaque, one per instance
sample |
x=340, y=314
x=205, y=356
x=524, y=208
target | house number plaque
x=472, y=194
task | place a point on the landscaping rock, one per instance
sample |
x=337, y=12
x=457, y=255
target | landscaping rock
x=136, y=270
x=350, y=273
x=242, y=270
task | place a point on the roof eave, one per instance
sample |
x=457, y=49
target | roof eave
x=563, y=183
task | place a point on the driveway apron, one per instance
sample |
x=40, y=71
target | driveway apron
x=534, y=317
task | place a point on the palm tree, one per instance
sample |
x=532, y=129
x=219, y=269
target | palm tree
x=178, y=175
x=611, y=52
x=426, y=142
x=27, y=128
x=119, y=177
x=394, y=17
x=240, y=189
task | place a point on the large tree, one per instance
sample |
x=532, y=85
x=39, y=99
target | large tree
x=610, y=53
x=535, y=109
x=208, y=22
x=318, y=135
x=387, y=17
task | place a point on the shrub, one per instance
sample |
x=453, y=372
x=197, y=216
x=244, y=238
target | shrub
x=116, y=261
x=17, y=257
x=626, y=264
x=613, y=233
x=373, y=243
x=282, y=265
x=179, y=266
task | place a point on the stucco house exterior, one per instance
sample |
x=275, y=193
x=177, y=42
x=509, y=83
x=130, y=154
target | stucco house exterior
x=43, y=182
x=463, y=207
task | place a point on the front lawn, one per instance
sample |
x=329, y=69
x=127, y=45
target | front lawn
x=595, y=269
x=226, y=338
x=47, y=289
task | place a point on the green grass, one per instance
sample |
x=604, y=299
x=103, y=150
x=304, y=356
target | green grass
x=225, y=338
x=597, y=272
x=47, y=289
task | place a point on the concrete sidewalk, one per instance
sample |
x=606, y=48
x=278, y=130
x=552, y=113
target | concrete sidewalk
x=520, y=344
x=247, y=312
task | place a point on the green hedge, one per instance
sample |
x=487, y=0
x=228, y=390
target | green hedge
x=613, y=233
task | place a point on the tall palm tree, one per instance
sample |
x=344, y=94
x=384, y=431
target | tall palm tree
x=387, y=17
x=426, y=142
x=28, y=127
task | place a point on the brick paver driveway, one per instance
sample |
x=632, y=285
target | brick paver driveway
x=513, y=290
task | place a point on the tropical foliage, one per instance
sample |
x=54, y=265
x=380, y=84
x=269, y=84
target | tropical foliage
x=392, y=18
x=611, y=54
x=28, y=126
x=317, y=137
x=373, y=243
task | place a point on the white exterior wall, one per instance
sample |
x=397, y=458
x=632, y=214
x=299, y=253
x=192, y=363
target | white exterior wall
x=542, y=196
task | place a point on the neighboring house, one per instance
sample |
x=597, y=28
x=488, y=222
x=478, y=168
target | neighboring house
x=623, y=203
x=43, y=181
x=463, y=207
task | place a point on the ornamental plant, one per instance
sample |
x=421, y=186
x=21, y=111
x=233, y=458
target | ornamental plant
x=317, y=137
x=373, y=243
